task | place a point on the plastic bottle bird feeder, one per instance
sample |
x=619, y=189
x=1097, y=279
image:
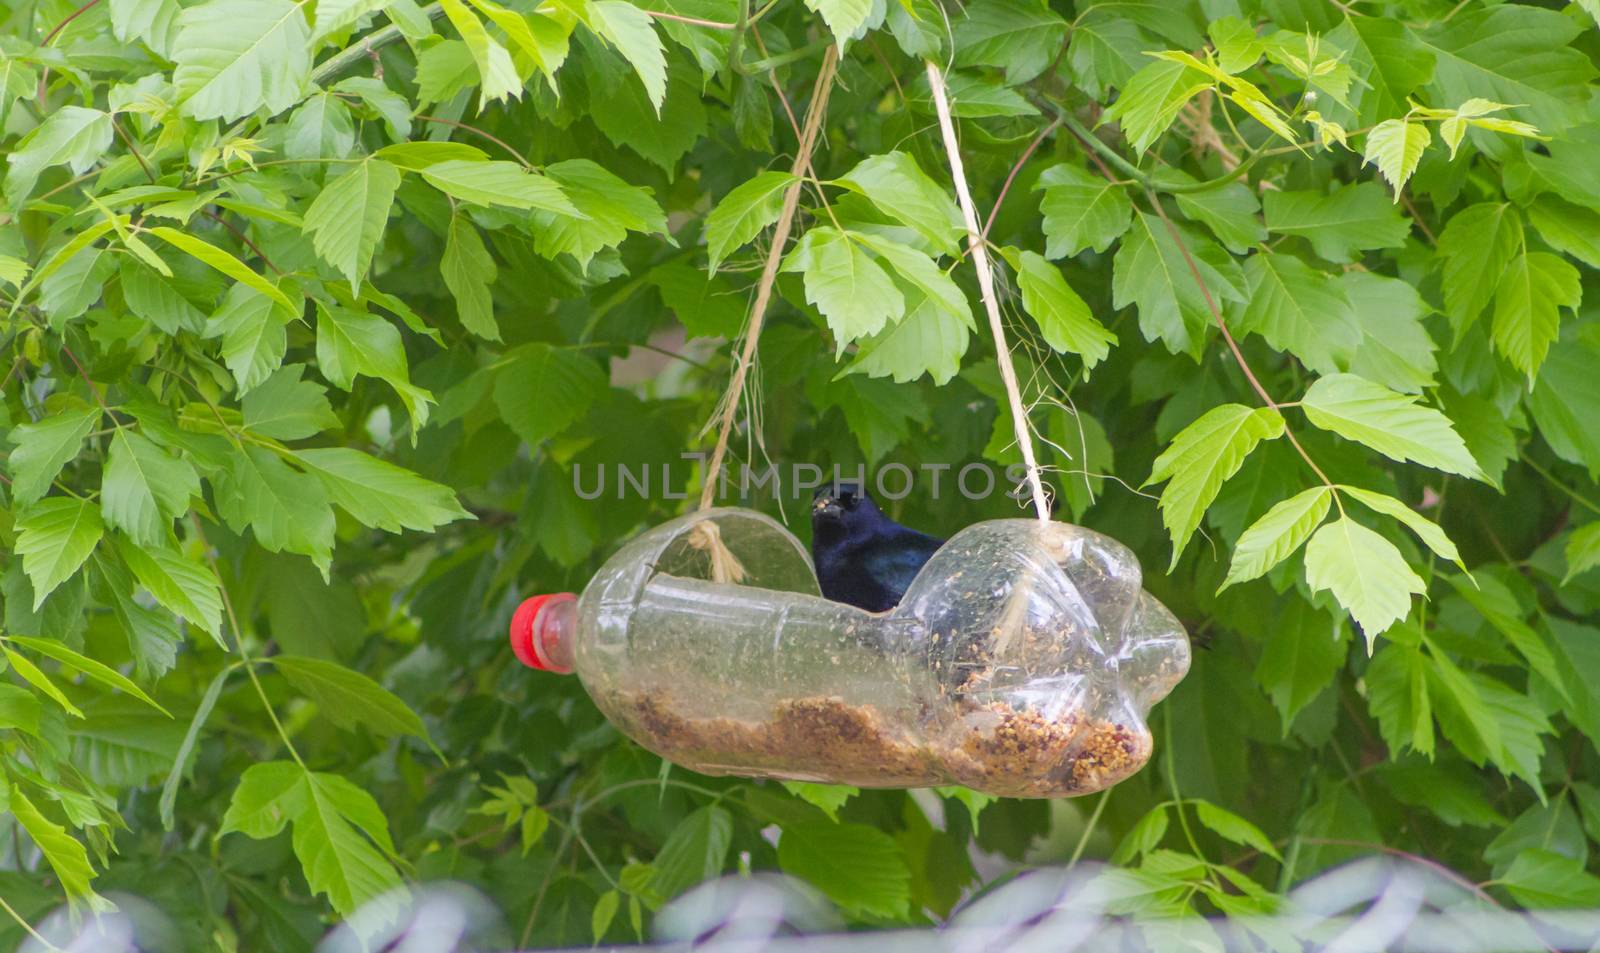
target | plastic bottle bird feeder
x=1022, y=661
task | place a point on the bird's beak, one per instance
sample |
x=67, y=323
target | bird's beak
x=825, y=508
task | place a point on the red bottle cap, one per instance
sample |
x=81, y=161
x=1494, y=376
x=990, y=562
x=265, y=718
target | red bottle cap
x=527, y=639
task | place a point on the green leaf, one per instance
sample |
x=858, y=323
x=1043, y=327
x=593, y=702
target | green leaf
x=253, y=334
x=156, y=299
x=144, y=488
x=1498, y=605
x=43, y=448
x=1426, y=530
x=1231, y=827
x=614, y=208
x=898, y=187
x=1302, y=658
x=153, y=21
x=542, y=390
x=705, y=306
x=631, y=31
x=1298, y=309
x=1365, y=573
x=415, y=156
x=1583, y=550
x=1151, y=100
x=743, y=213
x=919, y=272
x=380, y=494
x=32, y=674
x=1560, y=402
x=349, y=698
x=1452, y=794
x=1063, y=317
x=539, y=38
x=1488, y=721
x=605, y=911
x=1081, y=210
x=1395, y=350
x=347, y=219
x=54, y=537
x=284, y=509
x=285, y=407
x=1392, y=61
x=1277, y=534
x=180, y=762
x=859, y=868
x=498, y=183
x=336, y=15
x=1395, y=146
x=268, y=796
x=468, y=271
x=1393, y=424
x=67, y=292
x=320, y=128
x=444, y=70
x=497, y=74
x=1568, y=228
x=19, y=708
x=827, y=798
x=929, y=339
x=72, y=136
x=1476, y=245
x=1397, y=694
x=695, y=852
x=1527, y=307
x=1151, y=271
x=237, y=56
x=1513, y=54
x=1545, y=880
x=353, y=343
x=1144, y=836
x=98, y=671
x=1338, y=224
x=338, y=861
x=853, y=292
x=843, y=17
x=1231, y=212
x=186, y=587
x=1201, y=458
x=1023, y=37
x=65, y=854
x=211, y=255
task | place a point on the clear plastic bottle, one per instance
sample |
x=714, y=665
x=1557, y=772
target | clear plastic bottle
x=1022, y=661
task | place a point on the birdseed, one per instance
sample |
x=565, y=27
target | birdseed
x=994, y=748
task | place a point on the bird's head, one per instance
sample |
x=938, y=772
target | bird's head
x=838, y=505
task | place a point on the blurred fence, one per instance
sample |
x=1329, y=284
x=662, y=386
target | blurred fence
x=1368, y=905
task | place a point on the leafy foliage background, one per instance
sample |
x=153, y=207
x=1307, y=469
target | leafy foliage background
x=312, y=309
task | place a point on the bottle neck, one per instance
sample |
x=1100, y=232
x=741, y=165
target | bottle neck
x=544, y=632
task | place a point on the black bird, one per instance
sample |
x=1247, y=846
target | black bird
x=863, y=557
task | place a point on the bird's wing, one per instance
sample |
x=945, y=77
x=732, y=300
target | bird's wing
x=895, y=560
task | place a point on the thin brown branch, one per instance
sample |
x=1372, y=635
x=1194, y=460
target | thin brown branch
x=44, y=75
x=94, y=389
x=693, y=21
x=1233, y=346
x=242, y=237
x=489, y=136
x=127, y=140
x=1416, y=216
x=1012, y=175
